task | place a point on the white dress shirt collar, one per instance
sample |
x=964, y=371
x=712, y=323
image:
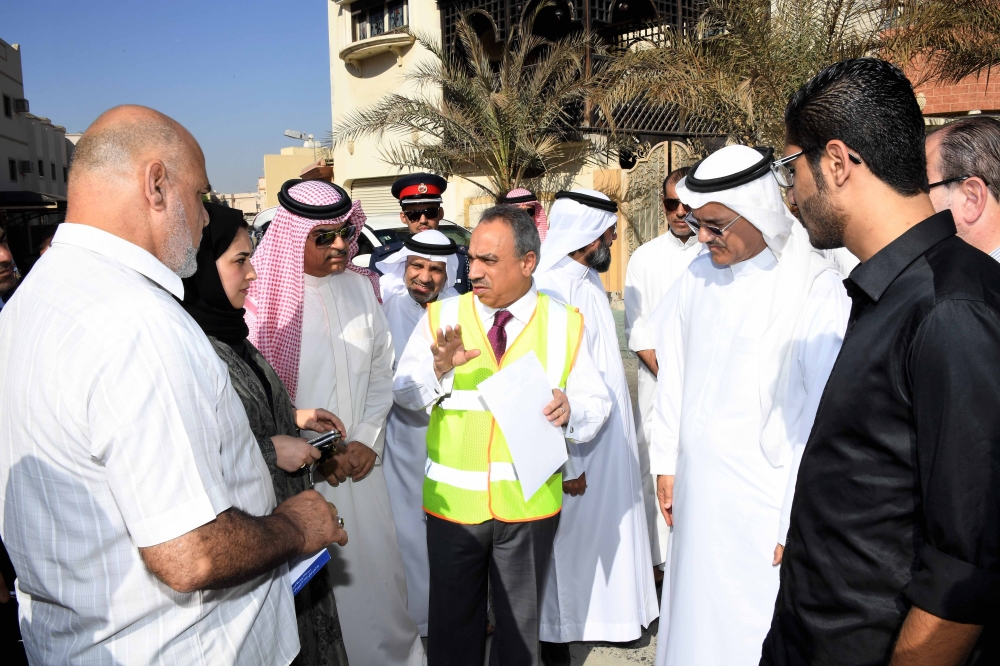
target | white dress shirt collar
x=522, y=309
x=117, y=248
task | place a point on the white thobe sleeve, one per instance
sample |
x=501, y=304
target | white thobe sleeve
x=664, y=439
x=819, y=340
x=589, y=399
x=379, y=398
x=416, y=385
x=638, y=333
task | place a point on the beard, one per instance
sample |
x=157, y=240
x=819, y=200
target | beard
x=422, y=298
x=600, y=258
x=8, y=284
x=824, y=221
x=178, y=253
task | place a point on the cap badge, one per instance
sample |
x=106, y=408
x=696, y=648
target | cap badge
x=422, y=188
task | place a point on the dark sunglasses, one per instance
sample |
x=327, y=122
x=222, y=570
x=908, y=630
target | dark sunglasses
x=694, y=225
x=415, y=215
x=671, y=204
x=326, y=238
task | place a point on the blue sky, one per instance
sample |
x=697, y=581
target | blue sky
x=236, y=74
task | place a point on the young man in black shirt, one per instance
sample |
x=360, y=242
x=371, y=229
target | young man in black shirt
x=893, y=553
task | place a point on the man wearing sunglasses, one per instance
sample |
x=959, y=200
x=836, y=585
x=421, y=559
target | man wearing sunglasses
x=746, y=340
x=419, y=197
x=963, y=168
x=315, y=317
x=652, y=270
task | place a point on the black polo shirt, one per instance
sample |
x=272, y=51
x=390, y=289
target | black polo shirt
x=898, y=494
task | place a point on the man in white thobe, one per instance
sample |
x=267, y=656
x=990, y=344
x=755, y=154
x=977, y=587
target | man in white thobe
x=317, y=320
x=600, y=586
x=751, y=332
x=424, y=271
x=653, y=268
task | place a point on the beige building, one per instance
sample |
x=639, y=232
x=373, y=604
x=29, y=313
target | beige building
x=370, y=55
x=289, y=163
x=34, y=164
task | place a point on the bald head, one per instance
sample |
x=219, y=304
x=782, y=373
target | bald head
x=139, y=175
x=124, y=138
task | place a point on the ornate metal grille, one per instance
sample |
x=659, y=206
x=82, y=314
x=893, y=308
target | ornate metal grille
x=622, y=23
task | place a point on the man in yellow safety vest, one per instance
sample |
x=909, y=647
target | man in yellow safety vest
x=479, y=525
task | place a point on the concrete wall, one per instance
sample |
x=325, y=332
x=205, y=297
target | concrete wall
x=13, y=129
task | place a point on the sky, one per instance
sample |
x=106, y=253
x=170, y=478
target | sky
x=236, y=74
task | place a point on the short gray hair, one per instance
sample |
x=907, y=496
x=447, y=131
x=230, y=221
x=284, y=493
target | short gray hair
x=525, y=234
x=971, y=147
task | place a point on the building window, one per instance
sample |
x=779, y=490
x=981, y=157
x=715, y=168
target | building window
x=12, y=169
x=41, y=169
x=6, y=107
x=53, y=170
x=65, y=179
x=371, y=19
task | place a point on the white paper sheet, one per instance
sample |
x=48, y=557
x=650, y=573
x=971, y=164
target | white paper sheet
x=516, y=396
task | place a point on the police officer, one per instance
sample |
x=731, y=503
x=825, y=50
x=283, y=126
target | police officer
x=419, y=196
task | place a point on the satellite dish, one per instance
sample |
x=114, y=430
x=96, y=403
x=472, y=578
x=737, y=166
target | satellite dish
x=292, y=134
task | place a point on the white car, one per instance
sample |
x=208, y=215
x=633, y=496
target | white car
x=379, y=230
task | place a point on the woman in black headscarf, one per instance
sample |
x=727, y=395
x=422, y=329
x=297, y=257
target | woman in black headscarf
x=214, y=297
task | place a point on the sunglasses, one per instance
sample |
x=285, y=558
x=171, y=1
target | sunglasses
x=672, y=204
x=528, y=208
x=694, y=225
x=415, y=215
x=325, y=238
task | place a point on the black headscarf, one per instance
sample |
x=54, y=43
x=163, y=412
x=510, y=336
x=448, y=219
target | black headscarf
x=204, y=296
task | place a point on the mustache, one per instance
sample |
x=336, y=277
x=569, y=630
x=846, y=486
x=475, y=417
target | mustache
x=337, y=254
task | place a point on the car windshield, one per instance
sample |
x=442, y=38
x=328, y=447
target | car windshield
x=458, y=234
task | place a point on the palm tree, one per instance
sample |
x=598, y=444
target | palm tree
x=506, y=113
x=948, y=40
x=739, y=66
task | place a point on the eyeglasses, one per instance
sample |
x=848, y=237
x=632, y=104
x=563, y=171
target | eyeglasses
x=956, y=179
x=786, y=177
x=528, y=208
x=671, y=204
x=415, y=215
x=695, y=225
x=326, y=238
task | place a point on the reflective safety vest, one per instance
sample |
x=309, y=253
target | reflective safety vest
x=469, y=475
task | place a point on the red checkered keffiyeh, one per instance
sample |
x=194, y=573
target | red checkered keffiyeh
x=274, y=302
x=541, y=220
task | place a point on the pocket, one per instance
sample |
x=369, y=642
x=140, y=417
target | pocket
x=360, y=342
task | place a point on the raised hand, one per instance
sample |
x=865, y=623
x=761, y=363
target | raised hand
x=449, y=351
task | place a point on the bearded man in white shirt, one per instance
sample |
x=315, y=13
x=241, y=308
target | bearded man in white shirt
x=600, y=587
x=652, y=269
x=420, y=273
x=136, y=506
x=315, y=317
x=751, y=332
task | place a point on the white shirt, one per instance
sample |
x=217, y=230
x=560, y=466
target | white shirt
x=416, y=386
x=652, y=270
x=119, y=429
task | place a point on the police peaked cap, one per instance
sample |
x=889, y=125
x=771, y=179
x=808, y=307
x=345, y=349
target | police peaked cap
x=419, y=188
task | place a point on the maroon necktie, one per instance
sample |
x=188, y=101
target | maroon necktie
x=497, y=334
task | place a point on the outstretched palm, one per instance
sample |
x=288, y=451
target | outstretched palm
x=449, y=351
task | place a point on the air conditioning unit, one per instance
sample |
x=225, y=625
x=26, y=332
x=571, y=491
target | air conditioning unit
x=26, y=166
x=20, y=106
